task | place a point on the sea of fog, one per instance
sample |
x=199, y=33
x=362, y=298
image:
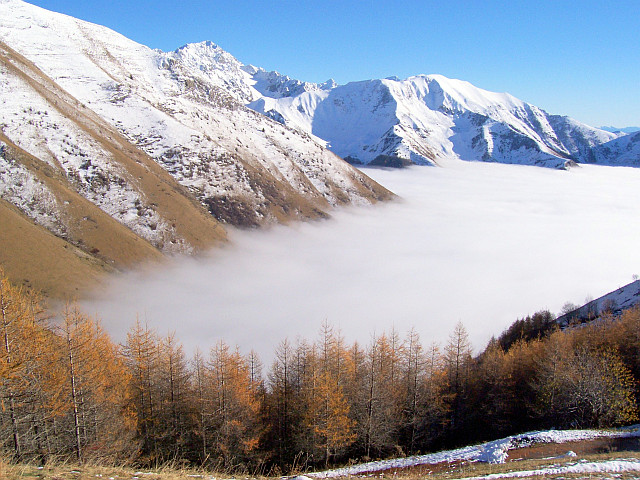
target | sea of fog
x=479, y=243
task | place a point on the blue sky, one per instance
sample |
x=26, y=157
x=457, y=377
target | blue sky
x=580, y=59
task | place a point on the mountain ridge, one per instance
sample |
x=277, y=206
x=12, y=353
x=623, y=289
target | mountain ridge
x=423, y=119
x=138, y=135
x=622, y=129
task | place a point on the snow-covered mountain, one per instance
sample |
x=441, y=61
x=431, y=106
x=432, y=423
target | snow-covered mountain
x=99, y=133
x=94, y=125
x=423, y=119
x=121, y=151
x=428, y=118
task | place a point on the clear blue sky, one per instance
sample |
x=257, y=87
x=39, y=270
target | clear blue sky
x=576, y=58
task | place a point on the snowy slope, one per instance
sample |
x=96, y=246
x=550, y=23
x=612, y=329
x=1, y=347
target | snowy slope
x=623, y=151
x=613, y=302
x=97, y=107
x=422, y=120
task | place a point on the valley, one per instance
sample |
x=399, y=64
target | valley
x=472, y=242
x=209, y=266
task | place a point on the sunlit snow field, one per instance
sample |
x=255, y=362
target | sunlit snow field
x=479, y=243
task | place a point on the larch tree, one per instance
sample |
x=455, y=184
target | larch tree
x=96, y=387
x=235, y=427
x=29, y=380
x=141, y=354
x=384, y=400
x=283, y=403
x=175, y=413
x=14, y=319
x=458, y=364
x=202, y=405
x=327, y=415
x=356, y=393
x=414, y=372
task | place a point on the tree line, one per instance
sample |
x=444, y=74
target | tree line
x=67, y=390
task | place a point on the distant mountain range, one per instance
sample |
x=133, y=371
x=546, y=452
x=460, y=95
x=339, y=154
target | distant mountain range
x=621, y=130
x=112, y=153
x=424, y=120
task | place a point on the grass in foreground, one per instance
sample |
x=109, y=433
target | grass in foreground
x=64, y=471
x=68, y=471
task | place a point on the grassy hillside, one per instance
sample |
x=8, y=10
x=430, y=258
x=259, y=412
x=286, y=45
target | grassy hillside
x=33, y=257
x=89, y=242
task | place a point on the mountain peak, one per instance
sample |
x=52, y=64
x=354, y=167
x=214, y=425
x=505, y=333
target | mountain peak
x=427, y=118
x=205, y=54
x=101, y=135
x=205, y=45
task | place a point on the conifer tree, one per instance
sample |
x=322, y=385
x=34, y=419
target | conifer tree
x=235, y=427
x=384, y=400
x=29, y=382
x=202, y=405
x=458, y=365
x=175, y=415
x=413, y=366
x=327, y=415
x=141, y=353
x=96, y=387
x=282, y=404
x=13, y=318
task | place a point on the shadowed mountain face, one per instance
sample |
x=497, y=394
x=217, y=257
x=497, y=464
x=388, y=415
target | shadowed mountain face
x=125, y=152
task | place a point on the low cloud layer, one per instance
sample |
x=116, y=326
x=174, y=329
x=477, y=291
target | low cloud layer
x=479, y=243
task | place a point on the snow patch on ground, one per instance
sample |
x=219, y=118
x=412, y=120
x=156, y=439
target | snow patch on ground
x=490, y=452
x=611, y=466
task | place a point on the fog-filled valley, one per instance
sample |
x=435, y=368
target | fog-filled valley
x=483, y=244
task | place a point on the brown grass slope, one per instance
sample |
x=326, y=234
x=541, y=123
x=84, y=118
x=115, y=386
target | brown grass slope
x=32, y=256
x=94, y=242
x=87, y=227
x=163, y=193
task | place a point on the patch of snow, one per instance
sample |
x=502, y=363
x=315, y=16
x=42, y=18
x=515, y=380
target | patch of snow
x=21, y=188
x=610, y=466
x=489, y=452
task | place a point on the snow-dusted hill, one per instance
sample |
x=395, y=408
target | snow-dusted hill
x=614, y=302
x=161, y=142
x=496, y=451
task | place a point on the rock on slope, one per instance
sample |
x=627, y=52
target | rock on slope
x=123, y=151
